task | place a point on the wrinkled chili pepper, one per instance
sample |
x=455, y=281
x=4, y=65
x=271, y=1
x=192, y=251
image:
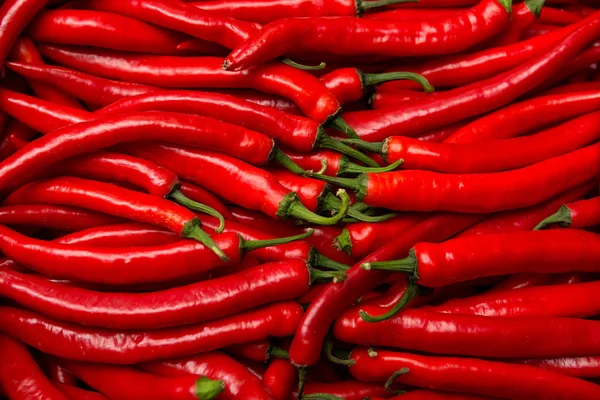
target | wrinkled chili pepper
x=577, y=215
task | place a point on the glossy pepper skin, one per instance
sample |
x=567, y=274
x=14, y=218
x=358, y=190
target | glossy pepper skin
x=203, y=196
x=466, y=375
x=280, y=379
x=20, y=376
x=334, y=299
x=14, y=17
x=471, y=335
x=132, y=234
x=384, y=38
x=309, y=94
x=128, y=383
x=576, y=215
x=75, y=393
x=347, y=390
x=239, y=381
x=192, y=303
x=579, y=367
x=578, y=300
x=74, y=342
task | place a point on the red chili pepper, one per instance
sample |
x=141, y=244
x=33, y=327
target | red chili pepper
x=386, y=38
x=121, y=235
x=280, y=379
x=439, y=135
x=74, y=342
x=308, y=340
x=468, y=376
x=102, y=29
x=421, y=394
x=407, y=14
x=322, y=239
x=540, y=30
x=14, y=17
x=335, y=163
x=265, y=99
x=91, y=89
x=215, y=365
x=201, y=195
x=210, y=170
x=492, y=156
x=580, y=214
x=462, y=259
x=221, y=297
x=117, y=265
x=25, y=51
x=255, y=220
x=580, y=367
x=396, y=97
x=130, y=384
x=302, y=88
x=527, y=116
x=347, y=390
x=558, y=16
x=260, y=352
x=522, y=281
x=473, y=99
x=434, y=191
x=573, y=87
x=63, y=218
x=74, y=393
x=523, y=16
x=56, y=373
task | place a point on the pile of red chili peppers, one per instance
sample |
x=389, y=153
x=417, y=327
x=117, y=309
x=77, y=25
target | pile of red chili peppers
x=300, y=199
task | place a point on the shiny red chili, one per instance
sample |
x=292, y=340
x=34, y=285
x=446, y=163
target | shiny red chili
x=347, y=390
x=131, y=234
x=577, y=215
x=20, y=376
x=15, y=136
x=74, y=342
x=280, y=379
x=14, y=17
x=422, y=394
x=580, y=367
x=522, y=17
x=259, y=352
x=75, y=393
x=468, y=376
x=388, y=38
x=558, y=16
x=201, y=195
x=410, y=14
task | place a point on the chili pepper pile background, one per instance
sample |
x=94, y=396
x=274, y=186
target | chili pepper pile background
x=300, y=199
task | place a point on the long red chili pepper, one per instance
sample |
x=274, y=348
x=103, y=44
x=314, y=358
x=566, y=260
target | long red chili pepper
x=422, y=394
x=468, y=376
x=569, y=301
x=210, y=170
x=74, y=342
x=558, y=16
x=75, y=393
x=91, y=89
x=524, y=117
x=193, y=303
x=580, y=214
x=308, y=340
x=388, y=38
x=410, y=14
x=215, y=365
x=63, y=218
x=347, y=390
x=580, y=367
x=14, y=17
x=20, y=376
x=523, y=16
x=131, y=234
x=416, y=190
x=522, y=281
x=573, y=87
x=280, y=379
x=302, y=88
x=492, y=156
x=102, y=29
x=117, y=265
x=260, y=352
x=473, y=99
x=201, y=195
x=401, y=96
x=478, y=256
x=108, y=198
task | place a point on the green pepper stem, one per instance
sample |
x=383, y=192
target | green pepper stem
x=328, y=349
x=329, y=143
x=407, y=265
x=343, y=242
x=373, y=147
x=297, y=210
x=286, y=162
x=180, y=198
x=412, y=290
x=371, y=352
x=330, y=202
x=208, y=389
x=342, y=126
x=535, y=6
x=301, y=381
x=376, y=79
x=507, y=4
x=362, y=5
x=317, y=259
x=321, y=396
x=561, y=217
x=278, y=352
x=303, y=66
x=358, y=185
x=326, y=276
x=249, y=245
x=192, y=230
x=348, y=167
x=390, y=381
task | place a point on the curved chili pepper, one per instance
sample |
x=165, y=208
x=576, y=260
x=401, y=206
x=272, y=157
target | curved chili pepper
x=117, y=265
x=14, y=17
x=91, y=89
x=580, y=214
x=347, y=390
x=558, y=16
x=387, y=38
x=201, y=195
x=104, y=197
x=102, y=29
x=310, y=335
x=20, y=376
x=523, y=16
x=468, y=376
x=470, y=335
x=520, y=118
x=530, y=302
x=261, y=352
x=408, y=14
x=522, y=281
x=580, y=367
x=294, y=132
x=573, y=87
x=130, y=384
x=280, y=379
x=120, y=235
x=16, y=135
x=309, y=94
x=74, y=342
x=193, y=303
x=560, y=250
x=113, y=167
x=63, y=218
x=267, y=100
x=401, y=96
x=492, y=156
x=75, y=393
x=473, y=99
x=210, y=170
x=215, y=365
x=416, y=190
x=334, y=163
